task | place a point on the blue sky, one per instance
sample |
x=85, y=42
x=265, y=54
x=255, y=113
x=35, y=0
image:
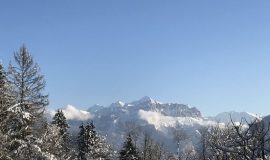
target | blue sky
x=214, y=55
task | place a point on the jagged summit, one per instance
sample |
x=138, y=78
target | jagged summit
x=118, y=104
x=145, y=99
x=148, y=104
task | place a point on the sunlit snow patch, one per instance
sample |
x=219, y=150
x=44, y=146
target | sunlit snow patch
x=72, y=113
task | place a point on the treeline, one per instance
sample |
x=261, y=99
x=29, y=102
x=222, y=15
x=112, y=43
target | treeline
x=233, y=141
x=244, y=141
x=25, y=133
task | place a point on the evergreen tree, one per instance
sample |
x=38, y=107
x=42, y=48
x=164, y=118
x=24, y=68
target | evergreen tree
x=90, y=138
x=59, y=120
x=81, y=143
x=60, y=132
x=52, y=143
x=3, y=88
x=5, y=99
x=96, y=147
x=5, y=102
x=129, y=151
x=27, y=88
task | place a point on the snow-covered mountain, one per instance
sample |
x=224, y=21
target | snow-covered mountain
x=149, y=104
x=95, y=108
x=149, y=115
x=225, y=117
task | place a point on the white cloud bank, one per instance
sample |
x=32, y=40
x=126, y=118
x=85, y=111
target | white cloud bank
x=72, y=113
x=159, y=120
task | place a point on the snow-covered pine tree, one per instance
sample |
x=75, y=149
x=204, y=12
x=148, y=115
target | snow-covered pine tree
x=29, y=102
x=81, y=143
x=129, y=151
x=5, y=102
x=90, y=138
x=27, y=88
x=60, y=121
x=96, y=146
x=4, y=98
x=90, y=134
x=3, y=88
x=52, y=143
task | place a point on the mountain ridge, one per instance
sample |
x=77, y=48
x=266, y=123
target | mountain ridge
x=149, y=104
x=148, y=114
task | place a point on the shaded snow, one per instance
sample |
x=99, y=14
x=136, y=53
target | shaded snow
x=95, y=108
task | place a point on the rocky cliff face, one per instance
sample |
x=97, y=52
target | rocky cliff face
x=148, y=104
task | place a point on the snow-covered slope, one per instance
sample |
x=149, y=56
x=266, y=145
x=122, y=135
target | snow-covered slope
x=95, y=108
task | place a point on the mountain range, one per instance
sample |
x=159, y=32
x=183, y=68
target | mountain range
x=149, y=115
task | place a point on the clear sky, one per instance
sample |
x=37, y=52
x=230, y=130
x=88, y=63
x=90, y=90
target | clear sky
x=214, y=55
